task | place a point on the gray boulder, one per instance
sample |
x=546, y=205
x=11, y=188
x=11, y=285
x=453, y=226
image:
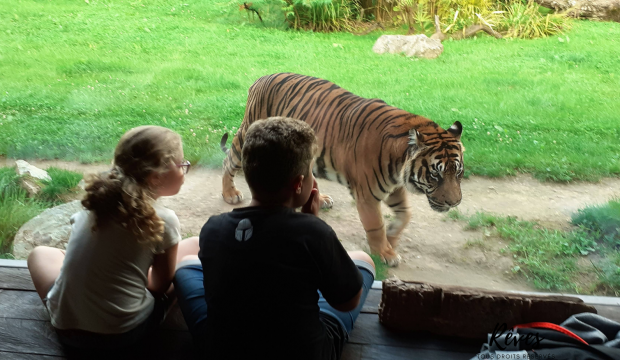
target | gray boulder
x=50, y=228
x=420, y=46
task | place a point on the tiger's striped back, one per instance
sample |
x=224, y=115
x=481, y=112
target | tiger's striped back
x=364, y=144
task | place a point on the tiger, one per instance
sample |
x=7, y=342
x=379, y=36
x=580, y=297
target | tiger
x=376, y=150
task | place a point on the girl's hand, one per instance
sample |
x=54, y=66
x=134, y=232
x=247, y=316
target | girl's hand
x=313, y=204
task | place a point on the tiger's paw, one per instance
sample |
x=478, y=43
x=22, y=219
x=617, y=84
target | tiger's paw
x=391, y=259
x=232, y=196
x=326, y=202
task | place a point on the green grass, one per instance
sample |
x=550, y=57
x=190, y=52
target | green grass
x=75, y=75
x=603, y=222
x=16, y=208
x=381, y=268
x=62, y=182
x=547, y=258
x=551, y=258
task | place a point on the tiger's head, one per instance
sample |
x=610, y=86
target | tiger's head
x=435, y=165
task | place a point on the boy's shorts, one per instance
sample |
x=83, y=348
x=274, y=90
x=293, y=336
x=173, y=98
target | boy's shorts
x=188, y=285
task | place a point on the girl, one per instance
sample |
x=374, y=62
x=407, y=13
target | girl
x=106, y=291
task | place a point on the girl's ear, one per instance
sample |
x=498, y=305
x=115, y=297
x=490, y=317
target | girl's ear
x=153, y=180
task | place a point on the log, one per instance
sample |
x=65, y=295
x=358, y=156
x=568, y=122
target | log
x=468, y=312
x=606, y=10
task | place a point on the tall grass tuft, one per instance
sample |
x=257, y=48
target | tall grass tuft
x=15, y=208
x=63, y=182
x=321, y=15
x=526, y=21
x=603, y=220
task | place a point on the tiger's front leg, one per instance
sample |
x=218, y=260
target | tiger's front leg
x=399, y=204
x=231, y=165
x=372, y=221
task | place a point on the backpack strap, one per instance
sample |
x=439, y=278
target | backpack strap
x=551, y=326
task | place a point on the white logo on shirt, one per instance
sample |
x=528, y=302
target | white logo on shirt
x=244, y=230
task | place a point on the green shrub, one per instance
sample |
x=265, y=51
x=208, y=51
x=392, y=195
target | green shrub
x=321, y=15
x=603, y=220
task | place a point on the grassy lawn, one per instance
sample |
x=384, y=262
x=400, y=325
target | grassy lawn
x=74, y=75
x=583, y=260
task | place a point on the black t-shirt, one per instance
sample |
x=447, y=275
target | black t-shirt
x=262, y=268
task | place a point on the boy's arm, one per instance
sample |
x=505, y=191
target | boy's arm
x=341, y=280
x=349, y=305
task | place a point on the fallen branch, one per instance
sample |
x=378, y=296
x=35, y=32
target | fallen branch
x=370, y=29
x=249, y=7
x=472, y=30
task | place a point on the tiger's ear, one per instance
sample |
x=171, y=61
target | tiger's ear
x=456, y=129
x=416, y=138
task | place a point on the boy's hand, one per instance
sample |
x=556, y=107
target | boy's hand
x=313, y=204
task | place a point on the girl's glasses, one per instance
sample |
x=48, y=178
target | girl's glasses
x=185, y=165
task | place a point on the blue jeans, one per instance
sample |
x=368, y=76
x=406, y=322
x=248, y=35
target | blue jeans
x=189, y=288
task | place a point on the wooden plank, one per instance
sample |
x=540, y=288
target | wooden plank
x=381, y=352
x=19, y=356
x=29, y=337
x=13, y=278
x=164, y=345
x=371, y=306
x=15, y=304
x=13, y=263
x=609, y=311
x=351, y=352
x=368, y=331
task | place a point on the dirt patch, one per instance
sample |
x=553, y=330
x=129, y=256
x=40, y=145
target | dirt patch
x=433, y=249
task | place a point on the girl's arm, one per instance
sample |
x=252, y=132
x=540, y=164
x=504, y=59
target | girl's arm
x=162, y=271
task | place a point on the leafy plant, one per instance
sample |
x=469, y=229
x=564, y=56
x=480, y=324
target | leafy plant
x=527, y=21
x=321, y=15
x=603, y=220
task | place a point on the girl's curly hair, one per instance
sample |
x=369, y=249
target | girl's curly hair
x=122, y=195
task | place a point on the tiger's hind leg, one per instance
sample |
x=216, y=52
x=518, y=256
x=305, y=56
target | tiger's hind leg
x=372, y=220
x=231, y=165
x=399, y=204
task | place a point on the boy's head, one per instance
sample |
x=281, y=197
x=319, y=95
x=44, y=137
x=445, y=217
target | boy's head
x=276, y=152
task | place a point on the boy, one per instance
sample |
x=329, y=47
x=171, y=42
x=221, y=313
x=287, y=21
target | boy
x=274, y=283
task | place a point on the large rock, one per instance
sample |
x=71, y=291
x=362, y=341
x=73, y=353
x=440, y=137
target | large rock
x=468, y=312
x=50, y=228
x=414, y=45
x=594, y=9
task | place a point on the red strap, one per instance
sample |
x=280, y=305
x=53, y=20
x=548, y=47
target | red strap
x=551, y=326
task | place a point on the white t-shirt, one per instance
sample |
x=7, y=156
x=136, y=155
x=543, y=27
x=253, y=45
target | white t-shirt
x=102, y=283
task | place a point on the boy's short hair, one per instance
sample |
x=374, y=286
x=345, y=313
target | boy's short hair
x=275, y=151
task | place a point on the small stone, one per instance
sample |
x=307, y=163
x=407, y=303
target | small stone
x=419, y=46
x=23, y=168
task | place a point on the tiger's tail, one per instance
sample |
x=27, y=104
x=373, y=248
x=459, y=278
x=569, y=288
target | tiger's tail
x=223, y=143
